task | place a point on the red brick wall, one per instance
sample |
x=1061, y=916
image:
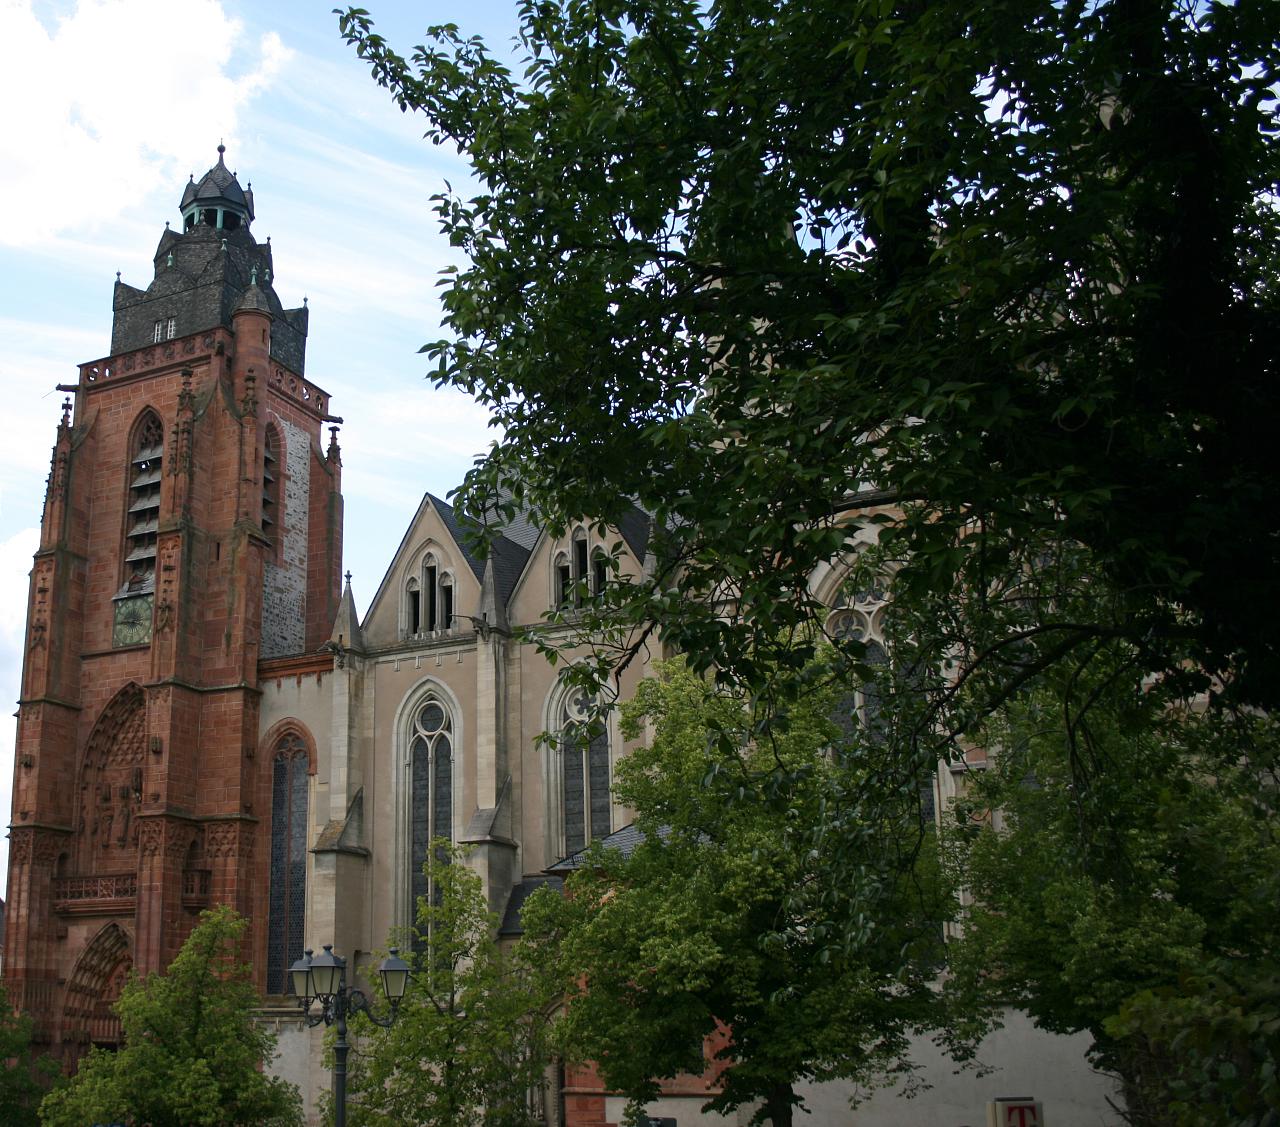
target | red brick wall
x=200, y=793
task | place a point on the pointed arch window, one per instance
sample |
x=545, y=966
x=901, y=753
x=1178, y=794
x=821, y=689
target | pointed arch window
x=431, y=739
x=445, y=606
x=288, y=901
x=563, y=581
x=599, y=571
x=861, y=710
x=431, y=581
x=142, y=519
x=583, y=748
x=575, y=573
x=429, y=602
x=412, y=607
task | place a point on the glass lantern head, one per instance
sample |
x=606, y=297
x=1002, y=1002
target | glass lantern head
x=328, y=972
x=300, y=978
x=395, y=976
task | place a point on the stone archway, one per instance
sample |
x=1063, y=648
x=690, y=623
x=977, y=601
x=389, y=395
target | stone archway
x=93, y=988
x=111, y=785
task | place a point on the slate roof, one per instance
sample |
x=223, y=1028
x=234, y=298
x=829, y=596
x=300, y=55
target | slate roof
x=509, y=555
x=511, y=924
x=624, y=841
x=218, y=184
x=254, y=299
x=634, y=528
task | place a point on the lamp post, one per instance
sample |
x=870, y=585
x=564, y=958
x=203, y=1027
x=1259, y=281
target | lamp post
x=323, y=979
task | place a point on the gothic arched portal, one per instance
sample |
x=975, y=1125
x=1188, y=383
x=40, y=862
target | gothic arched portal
x=93, y=988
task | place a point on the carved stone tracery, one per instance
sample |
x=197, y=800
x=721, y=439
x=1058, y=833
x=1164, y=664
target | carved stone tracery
x=111, y=782
x=94, y=986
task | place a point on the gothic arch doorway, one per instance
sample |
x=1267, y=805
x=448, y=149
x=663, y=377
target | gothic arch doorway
x=93, y=988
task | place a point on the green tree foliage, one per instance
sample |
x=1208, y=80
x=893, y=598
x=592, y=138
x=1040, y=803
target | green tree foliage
x=192, y=1053
x=722, y=917
x=470, y=1041
x=23, y=1078
x=1131, y=890
x=749, y=264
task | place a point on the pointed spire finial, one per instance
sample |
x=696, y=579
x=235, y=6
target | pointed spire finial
x=304, y=297
x=166, y=225
x=117, y=275
x=66, y=421
x=253, y=276
x=221, y=149
x=169, y=261
x=348, y=575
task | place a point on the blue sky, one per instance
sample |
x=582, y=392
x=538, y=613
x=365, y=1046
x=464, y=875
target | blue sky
x=117, y=102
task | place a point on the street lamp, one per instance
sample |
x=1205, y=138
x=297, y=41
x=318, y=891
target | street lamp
x=324, y=980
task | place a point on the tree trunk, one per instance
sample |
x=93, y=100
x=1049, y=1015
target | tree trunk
x=779, y=1105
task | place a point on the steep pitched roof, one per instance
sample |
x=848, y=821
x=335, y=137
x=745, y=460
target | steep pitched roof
x=511, y=924
x=346, y=623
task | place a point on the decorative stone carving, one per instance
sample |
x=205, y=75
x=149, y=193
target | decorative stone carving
x=20, y=845
x=150, y=838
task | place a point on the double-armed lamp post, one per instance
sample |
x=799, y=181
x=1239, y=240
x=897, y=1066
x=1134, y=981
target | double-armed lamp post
x=323, y=979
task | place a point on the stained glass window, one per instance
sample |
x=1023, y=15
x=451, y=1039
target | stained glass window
x=431, y=784
x=287, y=913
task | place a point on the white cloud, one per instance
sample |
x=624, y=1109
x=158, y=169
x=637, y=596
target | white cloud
x=15, y=566
x=112, y=99
x=35, y=358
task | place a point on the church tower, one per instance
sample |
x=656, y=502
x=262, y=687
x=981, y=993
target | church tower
x=192, y=528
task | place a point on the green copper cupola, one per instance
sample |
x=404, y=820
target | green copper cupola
x=217, y=200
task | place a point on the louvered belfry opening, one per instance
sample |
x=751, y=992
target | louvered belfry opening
x=271, y=522
x=143, y=518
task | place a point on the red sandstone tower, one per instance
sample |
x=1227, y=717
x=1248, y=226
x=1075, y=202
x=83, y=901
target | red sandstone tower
x=192, y=527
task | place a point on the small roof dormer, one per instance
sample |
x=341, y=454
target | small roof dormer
x=217, y=200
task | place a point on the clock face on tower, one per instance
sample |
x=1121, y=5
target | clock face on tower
x=132, y=625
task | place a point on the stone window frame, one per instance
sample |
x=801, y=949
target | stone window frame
x=436, y=594
x=559, y=715
x=425, y=689
x=861, y=614
x=573, y=577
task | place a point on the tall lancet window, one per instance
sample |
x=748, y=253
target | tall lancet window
x=288, y=900
x=431, y=787
x=583, y=748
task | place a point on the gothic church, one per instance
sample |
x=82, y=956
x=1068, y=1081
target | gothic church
x=204, y=719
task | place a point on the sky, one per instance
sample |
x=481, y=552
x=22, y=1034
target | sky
x=112, y=104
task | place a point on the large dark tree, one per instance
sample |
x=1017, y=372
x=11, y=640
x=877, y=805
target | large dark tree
x=724, y=930
x=754, y=263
